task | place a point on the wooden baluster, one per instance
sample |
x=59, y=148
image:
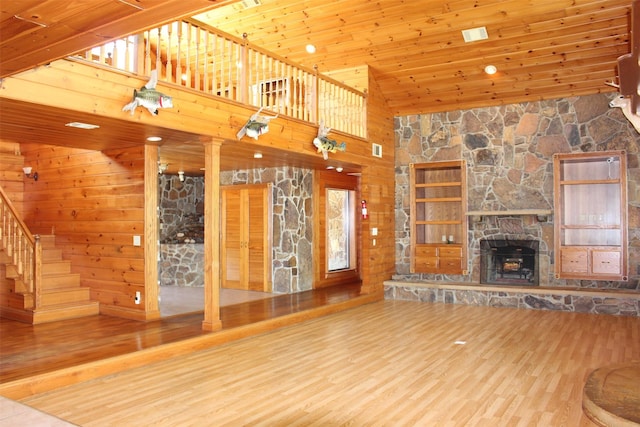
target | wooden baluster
x=128, y=53
x=187, y=80
x=169, y=73
x=37, y=276
x=229, y=70
x=243, y=71
x=179, y=55
x=205, y=62
x=214, y=64
x=197, y=83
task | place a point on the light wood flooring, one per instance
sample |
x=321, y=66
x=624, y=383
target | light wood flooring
x=388, y=363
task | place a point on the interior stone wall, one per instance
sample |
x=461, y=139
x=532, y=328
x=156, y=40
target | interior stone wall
x=181, y=264
x=292, y=223
x=509, y=152
x=181, y=209
x=182, y=225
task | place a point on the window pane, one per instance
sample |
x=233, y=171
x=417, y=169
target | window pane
x=338, y=229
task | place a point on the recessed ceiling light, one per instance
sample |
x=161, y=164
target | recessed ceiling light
x=475, y=34
x=154, y=138
x=81, y=125
x=490, y=69
x=257, y=155
x=311, y=48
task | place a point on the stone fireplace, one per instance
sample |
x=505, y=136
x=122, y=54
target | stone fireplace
x=509, y=262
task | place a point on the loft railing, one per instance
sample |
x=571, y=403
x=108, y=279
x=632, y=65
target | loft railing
x=23, y=250
x=197, y=56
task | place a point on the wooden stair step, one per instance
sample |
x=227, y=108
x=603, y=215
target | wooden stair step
x=58, y=296
x=50, y=254
x=17, y=300
x=56, y=267
x=48, y=241
x=65, y=311
x=57, y=281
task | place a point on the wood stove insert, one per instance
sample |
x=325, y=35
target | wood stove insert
x=509, y=262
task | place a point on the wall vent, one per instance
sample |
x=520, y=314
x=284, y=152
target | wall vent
x=248, y=4
x=376, y=150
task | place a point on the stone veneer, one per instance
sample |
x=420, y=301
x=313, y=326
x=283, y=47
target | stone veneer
x=579, y=300
x=182, y=226
x=292, y=225
x=509, y=152
x=181, y=264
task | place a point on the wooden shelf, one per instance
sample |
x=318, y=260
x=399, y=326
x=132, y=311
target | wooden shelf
x=512, y=212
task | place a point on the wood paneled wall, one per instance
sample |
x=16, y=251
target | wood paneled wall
x=94, y=201
x=12, y=182
x=377, y=188
x=11, y=174
x=94, y=204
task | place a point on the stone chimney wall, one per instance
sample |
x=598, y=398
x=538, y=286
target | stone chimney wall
x=509, y=152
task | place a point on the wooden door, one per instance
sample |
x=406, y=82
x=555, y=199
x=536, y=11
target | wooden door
x=246, y=237
x=232, y=238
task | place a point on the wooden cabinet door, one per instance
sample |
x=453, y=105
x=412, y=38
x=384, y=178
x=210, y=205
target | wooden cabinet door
x=605, y=262
x=246, y=237
x=574, y=260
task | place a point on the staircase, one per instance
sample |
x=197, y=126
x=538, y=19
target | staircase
x=61, y=296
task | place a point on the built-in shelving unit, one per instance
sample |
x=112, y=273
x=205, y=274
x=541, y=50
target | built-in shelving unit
x=590, y=197
x=438, y=217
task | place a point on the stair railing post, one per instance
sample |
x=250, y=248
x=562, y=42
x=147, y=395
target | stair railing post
x=37, y=271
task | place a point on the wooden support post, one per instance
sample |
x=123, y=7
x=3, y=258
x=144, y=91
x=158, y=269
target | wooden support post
x=151, y=247
x=212, y=234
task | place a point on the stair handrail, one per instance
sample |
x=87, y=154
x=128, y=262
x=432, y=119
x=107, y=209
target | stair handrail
x=23, y=248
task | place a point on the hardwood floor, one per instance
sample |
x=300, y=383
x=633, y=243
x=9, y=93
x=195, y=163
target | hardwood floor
x=389, y=363
x=41, y=357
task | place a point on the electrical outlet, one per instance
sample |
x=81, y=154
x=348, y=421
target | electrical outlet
x=138, y=297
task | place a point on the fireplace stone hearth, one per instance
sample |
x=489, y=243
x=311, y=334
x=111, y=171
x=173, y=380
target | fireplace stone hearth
x=509, y=262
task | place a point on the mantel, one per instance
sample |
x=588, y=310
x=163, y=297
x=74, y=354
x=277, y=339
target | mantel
x=512, y=212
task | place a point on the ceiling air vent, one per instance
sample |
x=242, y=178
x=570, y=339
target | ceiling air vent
x=475, y=34
x=248, y=4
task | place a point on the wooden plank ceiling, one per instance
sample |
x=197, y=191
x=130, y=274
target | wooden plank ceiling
x=542, y=49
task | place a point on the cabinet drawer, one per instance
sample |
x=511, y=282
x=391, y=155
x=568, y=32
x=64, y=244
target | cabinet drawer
x=426, y=251
x=450, y=251
x=573, y=261
x=605, y=262
x=450, y=265
x=426, y=265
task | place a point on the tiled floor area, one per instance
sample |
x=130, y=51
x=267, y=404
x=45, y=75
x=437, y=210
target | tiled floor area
x=176, y=300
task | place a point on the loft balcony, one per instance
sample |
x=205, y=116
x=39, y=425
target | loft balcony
x=198, y=57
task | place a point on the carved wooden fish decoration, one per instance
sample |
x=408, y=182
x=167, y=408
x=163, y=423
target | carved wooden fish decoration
x=326, y=145
x=255, y=126
x=149, y=98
